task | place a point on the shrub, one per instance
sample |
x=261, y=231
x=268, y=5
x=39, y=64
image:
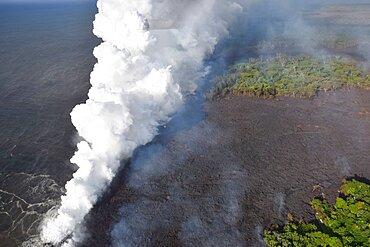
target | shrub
x=347, y=223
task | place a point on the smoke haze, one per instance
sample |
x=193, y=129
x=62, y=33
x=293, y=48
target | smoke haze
x=150, y=60
x=137, y=85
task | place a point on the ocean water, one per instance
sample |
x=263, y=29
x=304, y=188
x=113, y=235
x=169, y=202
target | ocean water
x=45, y=62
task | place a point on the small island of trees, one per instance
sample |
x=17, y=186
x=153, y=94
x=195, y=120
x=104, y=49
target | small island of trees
x=296, y=76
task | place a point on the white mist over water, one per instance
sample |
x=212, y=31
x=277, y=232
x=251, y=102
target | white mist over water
x=152, y=54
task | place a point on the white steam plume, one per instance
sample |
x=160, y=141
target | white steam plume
x=151, y=55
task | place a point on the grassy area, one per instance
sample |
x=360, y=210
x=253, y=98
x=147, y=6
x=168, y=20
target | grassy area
x=347, y=223
x=344, y=14
x=290, y=76
x=322, y=40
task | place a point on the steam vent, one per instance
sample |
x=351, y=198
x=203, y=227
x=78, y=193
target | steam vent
x=171, y=123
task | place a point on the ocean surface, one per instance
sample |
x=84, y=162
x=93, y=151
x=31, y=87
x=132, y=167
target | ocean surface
x=45, y=62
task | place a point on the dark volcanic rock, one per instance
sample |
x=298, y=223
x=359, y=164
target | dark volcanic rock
x=247, y=165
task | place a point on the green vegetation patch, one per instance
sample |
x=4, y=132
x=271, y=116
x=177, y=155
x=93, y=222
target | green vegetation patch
x=347, y=223
x=281, y=75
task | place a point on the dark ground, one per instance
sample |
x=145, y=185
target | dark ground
x=247, y=165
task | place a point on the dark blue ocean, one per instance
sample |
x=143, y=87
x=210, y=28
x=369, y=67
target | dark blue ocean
x=45, y=63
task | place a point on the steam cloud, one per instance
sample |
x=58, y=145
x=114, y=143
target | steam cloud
x=151, y=56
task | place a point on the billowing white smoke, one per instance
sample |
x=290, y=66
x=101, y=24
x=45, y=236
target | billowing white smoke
x=152, y=54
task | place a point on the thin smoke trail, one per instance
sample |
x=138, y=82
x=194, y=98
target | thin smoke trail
x=151, y=55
